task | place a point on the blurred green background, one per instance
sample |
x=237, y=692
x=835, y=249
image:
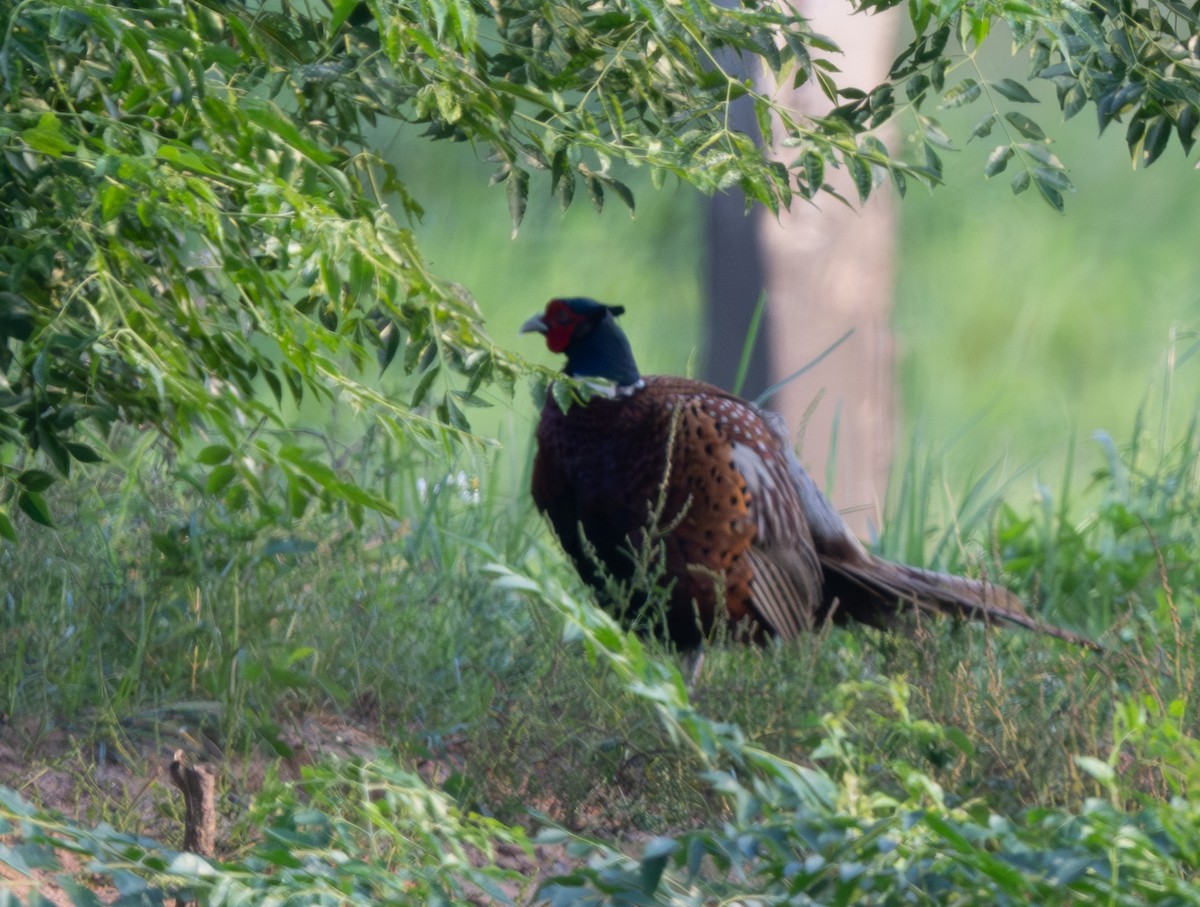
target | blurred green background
x=1023, y=328
x=1018, y=329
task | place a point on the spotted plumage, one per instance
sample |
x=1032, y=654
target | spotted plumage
x=702, y=488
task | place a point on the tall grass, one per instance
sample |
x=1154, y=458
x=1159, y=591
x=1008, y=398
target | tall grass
x=979, y=767
x=155, y=601
x=156, y=617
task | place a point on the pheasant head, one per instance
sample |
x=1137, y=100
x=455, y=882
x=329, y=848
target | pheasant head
x=588, y=333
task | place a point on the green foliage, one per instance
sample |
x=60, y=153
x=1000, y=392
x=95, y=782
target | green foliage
x=355, y=832
x=197, y=240
x=806, y=835
x=1122, y=563
x=372, y=831
x=158, y=597
x=199, y=236
x=1126, y=60
x=777, y=849
x=959, y=764
x=188, y=245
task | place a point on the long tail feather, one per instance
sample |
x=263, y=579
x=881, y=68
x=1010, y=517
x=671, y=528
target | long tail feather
x=886, y=590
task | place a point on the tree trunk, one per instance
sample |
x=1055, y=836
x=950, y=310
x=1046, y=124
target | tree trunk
x=829, y=270
x=735, y=279
x=734, y=271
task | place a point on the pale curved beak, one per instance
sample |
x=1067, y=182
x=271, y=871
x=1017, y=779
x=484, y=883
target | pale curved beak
x=535, y=324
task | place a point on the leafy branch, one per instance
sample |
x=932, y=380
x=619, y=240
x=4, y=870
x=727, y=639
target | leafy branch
x=183, y=252
x=1128, y=61
x=815, y=835
x=197, y=237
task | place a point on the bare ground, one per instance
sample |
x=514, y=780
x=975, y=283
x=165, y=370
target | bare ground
x=131, y=790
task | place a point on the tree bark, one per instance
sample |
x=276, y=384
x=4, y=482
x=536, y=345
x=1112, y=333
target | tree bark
x=198, y=784
x=829, y=269
x=734, y=270
x=735, y=279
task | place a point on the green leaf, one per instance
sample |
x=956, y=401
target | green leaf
x=274, y=384
x=112, y=200
x=980, y=26
x=518, y=197
x=595, y=192
x=52, y=446
x=276, y=123
x=465, y=24
x=1021, y=9
x=82, y=452
x=1054, y=178
x=932, y=132
x=16, y=316
x=654, y=861
x=237, y=497
x=1098, y=769
x=424, y=383
x=814, y=172
x=1025, y=126
x=919, y=11
x=623, y=193
x=984, y=127
x=961, y=741
x=219, y=478
x=34, y=507
x=998, y=160
x=449, y=103
x=1008, y=877
x=964, y=92
x=1084, y=23
x=1073, y=100
x=35, y=480
x=1125, y=97
x=341, y=10
x=937, y=72
x=214, y=454
x=449, y=413
x=185, y=159
x=861, y=174
x=915, y=88
x=7, y=529
x=297, y=496
x=1185, y=125
x=1157, y=135
x=564, y=395
x=47, y=137
x=828, y=86
x=352, y=494
x=1042, y=154
x=562, y=178
x=933, y=163
x=1014, y=91
x=1049, y=191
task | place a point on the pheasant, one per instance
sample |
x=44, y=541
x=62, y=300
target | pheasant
x=663, y=488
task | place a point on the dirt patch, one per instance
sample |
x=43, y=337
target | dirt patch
x=129, y=788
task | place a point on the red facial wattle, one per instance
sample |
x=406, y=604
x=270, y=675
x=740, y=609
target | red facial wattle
x=561, y=321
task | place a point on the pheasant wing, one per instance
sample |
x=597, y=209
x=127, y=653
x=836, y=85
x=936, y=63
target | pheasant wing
x=740, y=483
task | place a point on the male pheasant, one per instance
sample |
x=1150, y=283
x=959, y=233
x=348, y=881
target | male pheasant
x=681, y=470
